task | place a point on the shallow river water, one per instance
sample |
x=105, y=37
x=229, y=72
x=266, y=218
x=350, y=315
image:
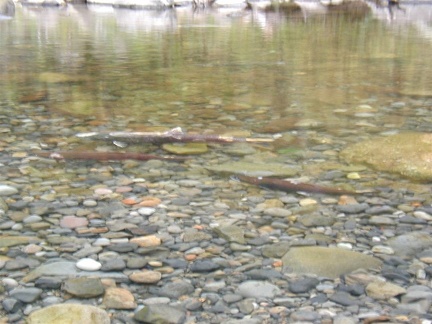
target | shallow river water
x=115, y=234
x=314, y=77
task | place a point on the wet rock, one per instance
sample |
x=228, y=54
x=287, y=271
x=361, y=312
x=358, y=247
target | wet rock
x=176, y=289
x=396, y=154
x=119, y=298
x=313, y=220
x=69, y=313
x=6, y=190
x=186, y=149
x=88, y=264
x=84, y=287
x=343, y=298
x=160, y=313
x=303, y=285
x=231, y=233
x=326, y=262
x=409, y=244
x=353, y=208
x=145, y=276
x=204, y=266
x=383, y=290
x=26, y=295
x=257, y=289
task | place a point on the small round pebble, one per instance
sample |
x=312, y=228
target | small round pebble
x=88, y=264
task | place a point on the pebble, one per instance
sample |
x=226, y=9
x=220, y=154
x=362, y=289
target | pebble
x=6, y=190
x=88, y=264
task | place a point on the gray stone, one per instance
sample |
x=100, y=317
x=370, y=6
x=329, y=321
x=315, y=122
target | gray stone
x=303, y=285
x=84, y=287
x=176, y=289
x=343, y=298
x=246, y=306
x=231, y=233
x=26, y=295
x=312, y=220
x=160, y=314
x=410, y=243
x=275, y=250
x=326, y=262
x=204, y=266
x=257, y=289
x=68, y=269
x=353, y=208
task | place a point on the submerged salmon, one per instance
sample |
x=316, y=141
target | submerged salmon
x=288, y=186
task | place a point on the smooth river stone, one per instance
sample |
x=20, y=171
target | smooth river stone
x=73, y=222
x=326, y=262
x=6, y=190
x=69, y=313
x=88, y=264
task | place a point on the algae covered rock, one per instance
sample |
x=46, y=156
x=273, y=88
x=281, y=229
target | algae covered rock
x=406, y=154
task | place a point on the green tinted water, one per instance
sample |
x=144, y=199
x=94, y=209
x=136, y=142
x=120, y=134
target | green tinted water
x=215, y=70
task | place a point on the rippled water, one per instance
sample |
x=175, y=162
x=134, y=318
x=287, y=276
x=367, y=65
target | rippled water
x=336, y=77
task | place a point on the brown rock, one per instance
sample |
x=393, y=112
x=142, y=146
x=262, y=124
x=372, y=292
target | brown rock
x=145, y=276
x=119, y=298
x=145, y=241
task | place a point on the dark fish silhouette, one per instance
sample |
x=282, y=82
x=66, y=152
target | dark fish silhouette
x=288, y=186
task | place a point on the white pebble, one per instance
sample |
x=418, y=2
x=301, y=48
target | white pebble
x=422, y=215
x=88, y=264
x=146, y=211
x=6, y=190
x=9, y=282
x=90, y=203
x=346, y=246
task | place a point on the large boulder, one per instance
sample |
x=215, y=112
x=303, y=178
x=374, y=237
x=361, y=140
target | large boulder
x=407, y=154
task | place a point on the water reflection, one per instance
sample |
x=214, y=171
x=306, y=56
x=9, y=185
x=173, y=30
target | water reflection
x=218, y=68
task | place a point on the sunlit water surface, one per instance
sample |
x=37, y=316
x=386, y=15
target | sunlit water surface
x=339, y=78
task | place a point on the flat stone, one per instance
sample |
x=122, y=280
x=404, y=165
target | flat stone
x=176, y=289
x=8, y=241
x=186, y=149
x=145, y=276
x=68, y=269
x=160, y=313
x=69, y=313
x=204, y=266
x=84, y=287
x=409, y=244
x=257, y=289
x=231, y=233
x=326, y=262
x=396, y=154
x=6, y=190
x=73, y=222
x=303, y=285
x=119, y=298
x=26, y=295
x=383, y=290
